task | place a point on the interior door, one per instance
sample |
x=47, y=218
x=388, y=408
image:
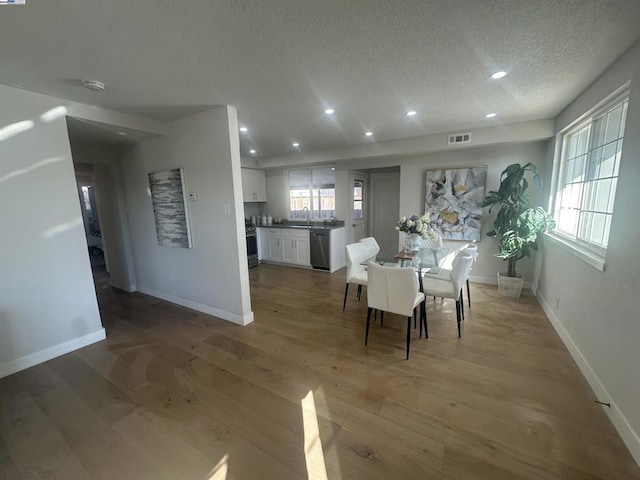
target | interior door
x=359, y=223
x=384, y=198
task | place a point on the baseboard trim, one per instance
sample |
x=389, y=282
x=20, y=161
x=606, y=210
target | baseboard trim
x=620, y=422
x=128, y=288
x=493, y=281
x=41, y=356
x=200, y=307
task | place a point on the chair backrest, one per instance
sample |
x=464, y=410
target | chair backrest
x=460, y=271
x=472, y=249
x=372, y=246
x=356, y=253
x=392, y=289
x=461, y=253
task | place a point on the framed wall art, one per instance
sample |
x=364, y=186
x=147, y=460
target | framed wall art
x=169, y=208
x=453, y=200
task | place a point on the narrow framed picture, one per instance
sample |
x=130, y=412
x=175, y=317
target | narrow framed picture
x=169, y=208
x=453, y=201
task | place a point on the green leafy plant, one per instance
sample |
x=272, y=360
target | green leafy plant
x=517, y=224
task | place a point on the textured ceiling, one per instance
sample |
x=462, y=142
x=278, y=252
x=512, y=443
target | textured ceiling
x=281, y=62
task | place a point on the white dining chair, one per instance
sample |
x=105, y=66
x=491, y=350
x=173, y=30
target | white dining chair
x=356, y=254
x=395, y=290
x=372, y=246
x=452, y=287
x=471, y=249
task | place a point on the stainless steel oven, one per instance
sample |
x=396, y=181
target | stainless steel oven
x=252, y=246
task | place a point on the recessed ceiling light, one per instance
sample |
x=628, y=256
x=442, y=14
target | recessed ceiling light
x=244, y=129
x=332, y=168
x=368, y=134
x=295, y=144
x=252, y=151
x=498, y=75
x=124, y=134
x=490, y=115
x=329, y=111
x=411, y=113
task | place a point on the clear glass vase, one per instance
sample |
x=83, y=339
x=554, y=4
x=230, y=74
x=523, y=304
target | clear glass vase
x=412, y=242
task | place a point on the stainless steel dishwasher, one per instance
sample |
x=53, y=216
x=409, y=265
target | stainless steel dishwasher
x=320, y=240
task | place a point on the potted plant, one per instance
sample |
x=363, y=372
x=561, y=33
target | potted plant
x=517, y=224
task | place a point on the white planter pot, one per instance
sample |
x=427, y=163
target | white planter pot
x=510, y=286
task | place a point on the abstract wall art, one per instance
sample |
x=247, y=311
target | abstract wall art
x=453, y=201
x=169, y=208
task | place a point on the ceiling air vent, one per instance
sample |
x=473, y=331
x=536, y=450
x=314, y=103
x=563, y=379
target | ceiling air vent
x=459, y=138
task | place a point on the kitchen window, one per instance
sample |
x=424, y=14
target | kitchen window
x=312, y=192
x=587, y=181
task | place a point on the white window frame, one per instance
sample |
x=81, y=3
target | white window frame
x=313, y=214
x=592, y=254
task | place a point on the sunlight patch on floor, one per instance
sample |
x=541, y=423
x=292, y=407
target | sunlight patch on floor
x=219, y=472
x=313, y=454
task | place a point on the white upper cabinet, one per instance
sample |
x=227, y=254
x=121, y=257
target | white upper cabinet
x=254, y=185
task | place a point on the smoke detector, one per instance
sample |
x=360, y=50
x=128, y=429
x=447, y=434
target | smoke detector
x=95, y=85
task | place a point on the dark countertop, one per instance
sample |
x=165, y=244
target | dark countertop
x=312, y=226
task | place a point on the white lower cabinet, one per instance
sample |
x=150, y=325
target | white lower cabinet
x=286, y=246
x=274, y=250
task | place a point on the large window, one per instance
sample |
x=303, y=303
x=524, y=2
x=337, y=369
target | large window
x=312, y=193
x=588, y=177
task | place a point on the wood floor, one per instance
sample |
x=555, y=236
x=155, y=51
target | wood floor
x=173, y=394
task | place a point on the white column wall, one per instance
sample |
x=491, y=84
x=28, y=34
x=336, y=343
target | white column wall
x=47, y=300
x=213, y=275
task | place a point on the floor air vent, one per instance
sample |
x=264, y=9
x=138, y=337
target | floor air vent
x=459, y=138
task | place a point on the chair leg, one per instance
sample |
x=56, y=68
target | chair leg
x=408, y=335
x=346, y=290
x=414, y=318
x=458, y=317
x=468, y=293
x=381, y=318
x=366, y=335
x=424, y=318
x=420, y=322
x=461, y=304
x=359, y=292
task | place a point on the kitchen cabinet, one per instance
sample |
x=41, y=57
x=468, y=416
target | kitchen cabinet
x=285, y=245
x=296, y=250
x=254, y=185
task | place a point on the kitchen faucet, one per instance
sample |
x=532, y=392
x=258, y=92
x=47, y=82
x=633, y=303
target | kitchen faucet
x=307, y=210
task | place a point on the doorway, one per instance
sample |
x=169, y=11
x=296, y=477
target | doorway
x=90, y=216
x=384, y=208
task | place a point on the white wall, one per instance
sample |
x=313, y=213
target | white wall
x=597, y=315
x=47, y=301
x=213, y=275
x=277, y=192
x=111, y=209
x=412, y=169
x=496, y=158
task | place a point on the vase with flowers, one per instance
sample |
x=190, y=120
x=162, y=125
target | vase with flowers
x=416, y=229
